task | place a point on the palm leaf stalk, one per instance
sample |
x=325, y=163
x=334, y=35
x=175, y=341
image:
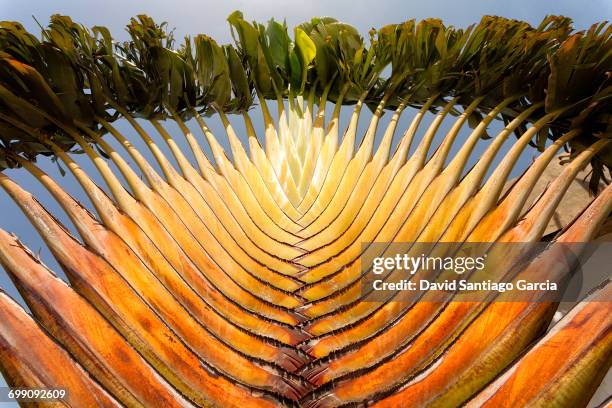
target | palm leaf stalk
x=238, y=282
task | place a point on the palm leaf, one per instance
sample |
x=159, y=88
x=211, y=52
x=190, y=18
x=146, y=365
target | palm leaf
x=239, y=282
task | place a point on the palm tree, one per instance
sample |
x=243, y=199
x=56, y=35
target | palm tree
x=241, y=282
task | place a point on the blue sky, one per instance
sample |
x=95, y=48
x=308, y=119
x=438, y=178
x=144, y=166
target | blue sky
x=190, y=17
x=197, y=16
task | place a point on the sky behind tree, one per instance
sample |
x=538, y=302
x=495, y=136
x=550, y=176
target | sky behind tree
x=190, y=17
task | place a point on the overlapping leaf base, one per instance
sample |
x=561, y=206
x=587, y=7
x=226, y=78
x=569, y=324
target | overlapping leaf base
x=238, y=283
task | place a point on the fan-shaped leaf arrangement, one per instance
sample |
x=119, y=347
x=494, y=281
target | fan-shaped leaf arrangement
x=238, y=282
